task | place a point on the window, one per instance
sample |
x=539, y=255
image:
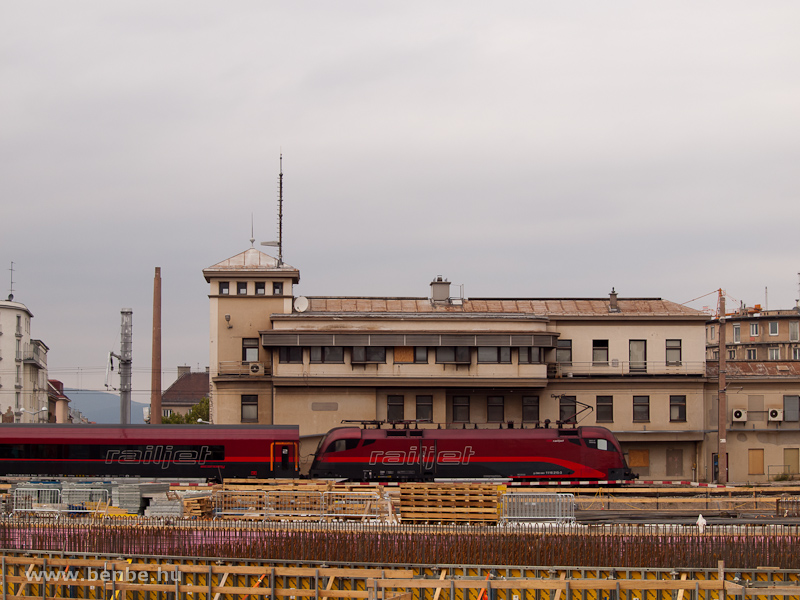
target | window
x=241, y=288
x=677, y=408
x=421, y=354
x=250, y=350
x=750, y=354
x=19, y=325
x=492, y=354
x=224, y=288
x=530, y=355
x=794, y=331
x=461, y=409
x=711, y=332
x=368, y=354
x=564, y=352
x=453, y=354
x=795, y=353
x=673, y=352
x=494, y=409
x=290, y=354
x=600, y=353
x=530, y=409
x=605, y=409
x=737, y=333
x=327, y=354
x=791, y=408
x=277, y=288
x=753, y=329
x=774, y=353
x=641, y=409
x=566, y=409
x=395, y=408
x=166, y=412
x=261, y=288
x=425, y=408
x=249, y=408
x=732, y=354
x=715, y=354
x=773, y=328
x=638, y=355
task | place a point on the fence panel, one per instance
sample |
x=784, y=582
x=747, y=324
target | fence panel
x=297, y=505
x=350, y=505
x=529, y=506
x=240, y=504
x=37, y=500
x=84, y=500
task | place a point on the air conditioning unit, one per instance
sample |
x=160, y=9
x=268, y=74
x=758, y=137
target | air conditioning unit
x=739, y=415
x=256, y=368
x=775, y=414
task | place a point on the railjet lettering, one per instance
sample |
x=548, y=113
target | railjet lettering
x=163, y=455
x=427, y=457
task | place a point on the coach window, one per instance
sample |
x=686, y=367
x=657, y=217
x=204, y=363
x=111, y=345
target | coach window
x=461, y=409
x=250, y=350
x=567, y=409
x=641, y=409
x=605, y=409
x=249, y=408
x=493, y=354
x=395, y=408
x=453, y=354
x=530, y=409
x=224, y=288
x=677, y=408
x=425, y=408
x=327, y=354
x=495, y=409
x=241, y=288
x=564, y=352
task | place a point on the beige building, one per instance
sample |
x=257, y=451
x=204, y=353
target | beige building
x=635, y=366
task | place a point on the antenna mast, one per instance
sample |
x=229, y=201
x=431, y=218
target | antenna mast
x=280, y=213
x=11, y=291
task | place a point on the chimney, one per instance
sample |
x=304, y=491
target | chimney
x=612, y=301
x=184, y=370
x=440, y=290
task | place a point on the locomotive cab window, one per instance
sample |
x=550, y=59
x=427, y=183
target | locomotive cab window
x=599, y=444
x=342, y=445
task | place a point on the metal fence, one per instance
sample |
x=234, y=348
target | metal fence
x=364, y=505
x=525, y=507
x=37, y=500
x=56, y=502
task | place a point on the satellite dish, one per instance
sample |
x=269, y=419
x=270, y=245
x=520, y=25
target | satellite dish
x=301, y=304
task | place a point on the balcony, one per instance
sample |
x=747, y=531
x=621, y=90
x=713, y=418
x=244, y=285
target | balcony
x=619, y=368
x=235, y=368
x=33, y=356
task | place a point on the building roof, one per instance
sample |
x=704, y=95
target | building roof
x=251, y=262
x=187, y=390
x=540, y=307
x=740, y=369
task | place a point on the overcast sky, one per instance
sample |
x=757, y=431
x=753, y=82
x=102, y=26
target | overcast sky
x=528, y=149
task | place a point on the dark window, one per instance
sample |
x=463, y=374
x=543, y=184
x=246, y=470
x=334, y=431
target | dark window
x=677, y=408
x=224, y=288
x=250, y=350
x=290, y=354
x=453, y=354
x=261, y=288
x=564, y=352
x=566, y=409
x=605, y=409
x=493, y=354
x=241, y=288
x=369, y=354
x=277, y=288
x=530, y=409
x=673, y=352
x=425, y=408
x=600, y=353
x=641, y=409
x=494, y=409
x=327, y=354
x=249, y=408
x=529, y=355
x=461, y=409
x=421, y=354
x=638, y=355
x=599, y=444
x=791, y=408
x=395, y=408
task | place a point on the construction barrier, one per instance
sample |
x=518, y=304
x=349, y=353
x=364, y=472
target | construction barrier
x=296, y=505
x=528, y=507
x=56, y=502
x=38, y=500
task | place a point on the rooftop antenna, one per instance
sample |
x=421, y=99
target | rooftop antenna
x=11, y=291
x=279, y=243
x=252, y=236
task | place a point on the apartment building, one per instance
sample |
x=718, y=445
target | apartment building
x=633, y=365
x=23, y=365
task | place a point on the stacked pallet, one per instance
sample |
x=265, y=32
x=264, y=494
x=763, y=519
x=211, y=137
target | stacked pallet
x=198, y=506
x=449, y=503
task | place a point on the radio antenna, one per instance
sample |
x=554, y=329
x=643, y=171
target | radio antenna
x=279, y=242
x=11, y=291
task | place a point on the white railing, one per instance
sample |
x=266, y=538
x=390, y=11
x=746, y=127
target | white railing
x=524, y=507
x=57, y=502
x=620, y=367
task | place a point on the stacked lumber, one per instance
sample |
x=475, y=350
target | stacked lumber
x=449, y=503
x=198, y=507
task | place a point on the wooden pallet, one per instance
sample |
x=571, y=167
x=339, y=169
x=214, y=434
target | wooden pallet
x=449, y=503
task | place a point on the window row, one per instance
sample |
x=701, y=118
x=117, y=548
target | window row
x=259, y=290
x=773, y=328
x=772, y=353
x=637, y=353
x=416, y=354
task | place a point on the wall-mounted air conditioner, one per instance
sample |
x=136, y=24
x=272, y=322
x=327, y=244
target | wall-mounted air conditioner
x=256, y=368
x=739, y=415
x=775, y=414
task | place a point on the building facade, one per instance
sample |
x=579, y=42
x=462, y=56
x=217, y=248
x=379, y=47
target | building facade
x=23, y=366
x=186, y=391
x=636, y=366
